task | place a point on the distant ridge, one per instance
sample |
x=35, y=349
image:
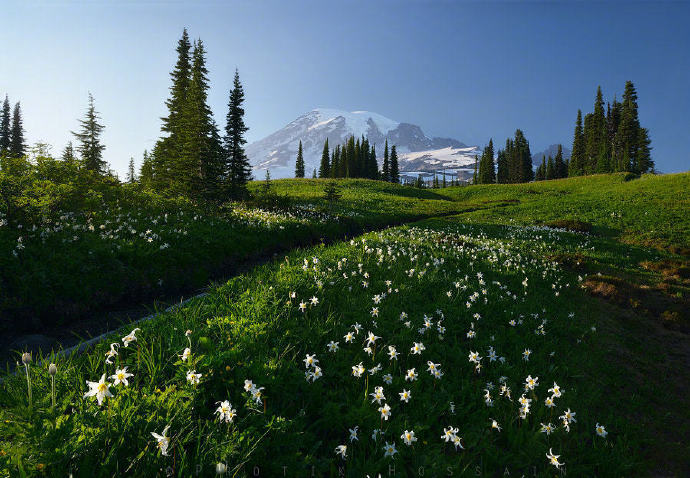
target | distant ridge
x=417, y=152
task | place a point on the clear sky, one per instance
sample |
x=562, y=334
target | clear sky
x=469, y=71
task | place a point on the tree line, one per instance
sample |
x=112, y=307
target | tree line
x=553, y=168
x=355, y=158
x=512, y=165
x=608, y=141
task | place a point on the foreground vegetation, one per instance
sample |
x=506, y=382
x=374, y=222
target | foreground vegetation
x=119, y=244
x=433, y=296
x=439, y=345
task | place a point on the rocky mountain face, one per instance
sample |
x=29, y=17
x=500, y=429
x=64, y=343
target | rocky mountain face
x=417, y=152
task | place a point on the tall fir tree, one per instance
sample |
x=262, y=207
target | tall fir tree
x=577, y=157
x=335, y=162
x=355, y=166
x=386, y=169
x=560, y=168
x=519, y=159
x=373, y=164
x=350, y=159
x=550, y=169
x=5, y=124
x=487, y=173
x=168, y=149
x=89, y=139
x=198, y=168
x=627, y=136
x=17, y=145
x=325, y=166
x=594, y=132
x=643, y=157
x=501, y=167
x=146, y=170
x=131, y=175
x=68, y=155
x=299, y=164
x=394, y=167
x=540, y=175
x=613, y=121
x=238, y=169
x=181, y=77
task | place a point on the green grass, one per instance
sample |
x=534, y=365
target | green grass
x=651, y=211
x=74, y=264
x=612, y=363
x=250, y=329
x=365, y=201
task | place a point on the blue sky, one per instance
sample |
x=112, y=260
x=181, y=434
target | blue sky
x=470, y=71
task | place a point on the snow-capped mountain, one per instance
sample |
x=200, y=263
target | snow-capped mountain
x=417, y=152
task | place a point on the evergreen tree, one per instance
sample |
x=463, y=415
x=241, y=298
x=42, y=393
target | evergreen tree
x=146, y=170
x=613, y=121
x=560, y=168
x=643, y=157
x=131, y=176
x=335, y=162
x=168, y=149
x=519, y=159
x=267, y=187
x=386, y=171
x=17, y=145
x=394, y=168
x=325, y=166
x=331, y=192
x=299, y=164
x=355, y=166
x=68, y=155
x=444, y=179
x=313, y=175
x=502, y=168
x=373, y=164
x=237, y=168
x=5, y=122
x=89, y=138
x=627, y=136
x=487, y=173
x=181, y=76
x=577, y=157
x=198, y=168
x=594, y=132
x=550, y=169
x=541, y=170
x=349, y=162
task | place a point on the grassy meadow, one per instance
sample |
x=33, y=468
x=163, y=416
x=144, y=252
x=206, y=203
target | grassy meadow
x=535, y=329
x=133, y=247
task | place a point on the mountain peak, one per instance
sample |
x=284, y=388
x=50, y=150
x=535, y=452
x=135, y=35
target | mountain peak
x=277, y=151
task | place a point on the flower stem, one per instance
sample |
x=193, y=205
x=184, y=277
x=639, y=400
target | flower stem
x=28, y=383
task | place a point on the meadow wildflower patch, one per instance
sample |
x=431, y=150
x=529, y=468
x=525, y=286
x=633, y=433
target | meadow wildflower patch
x=287, y=368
